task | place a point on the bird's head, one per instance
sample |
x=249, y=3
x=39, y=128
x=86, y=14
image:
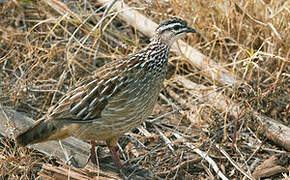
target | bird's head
x=171, y=29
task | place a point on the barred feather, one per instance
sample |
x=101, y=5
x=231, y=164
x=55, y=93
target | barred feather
x=118, y=97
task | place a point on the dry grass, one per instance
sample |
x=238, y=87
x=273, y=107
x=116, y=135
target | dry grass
x=43, y=54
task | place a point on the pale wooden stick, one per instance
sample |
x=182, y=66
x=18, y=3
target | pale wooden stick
x=167, y=141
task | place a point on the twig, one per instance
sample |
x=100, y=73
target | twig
x=205, y=156
x=234, y=163
x=167, y=141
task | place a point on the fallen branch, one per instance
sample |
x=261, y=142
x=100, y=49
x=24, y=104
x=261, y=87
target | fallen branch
x=271, y=129
x=64, y=171
x=272, y=166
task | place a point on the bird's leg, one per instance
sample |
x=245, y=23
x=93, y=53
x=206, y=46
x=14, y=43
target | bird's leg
x=92, y=156
x=116, y=157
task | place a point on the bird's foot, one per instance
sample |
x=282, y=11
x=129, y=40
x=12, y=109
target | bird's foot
x=92, y=157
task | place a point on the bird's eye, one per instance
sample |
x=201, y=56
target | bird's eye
x=175, y=27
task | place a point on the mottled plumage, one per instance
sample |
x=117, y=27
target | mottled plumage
x=118, y=97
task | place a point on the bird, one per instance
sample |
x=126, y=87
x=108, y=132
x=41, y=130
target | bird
x=113, y=100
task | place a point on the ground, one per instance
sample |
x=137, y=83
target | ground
x=45, y=50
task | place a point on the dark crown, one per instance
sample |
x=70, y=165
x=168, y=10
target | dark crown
x=175, y=25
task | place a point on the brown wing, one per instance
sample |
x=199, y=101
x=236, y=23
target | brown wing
x=86, y=102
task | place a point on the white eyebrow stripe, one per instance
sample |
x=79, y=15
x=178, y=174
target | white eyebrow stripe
x=170, y=26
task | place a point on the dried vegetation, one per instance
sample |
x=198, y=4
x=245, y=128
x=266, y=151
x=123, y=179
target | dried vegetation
x=44, y=52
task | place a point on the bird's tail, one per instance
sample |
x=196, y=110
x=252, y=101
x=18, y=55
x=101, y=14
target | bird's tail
x=44, y=130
